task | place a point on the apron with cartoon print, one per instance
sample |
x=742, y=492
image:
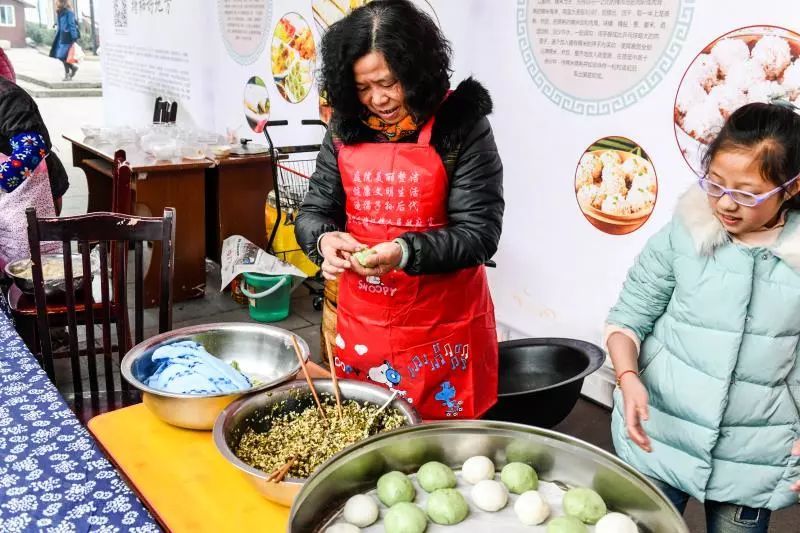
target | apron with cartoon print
x=431, y=337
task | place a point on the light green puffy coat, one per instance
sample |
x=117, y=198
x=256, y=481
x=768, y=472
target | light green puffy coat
x=719, y=324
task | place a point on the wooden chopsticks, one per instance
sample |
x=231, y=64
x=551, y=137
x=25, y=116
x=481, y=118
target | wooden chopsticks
x=302, y=362
x=336, y=391
x=278, y=474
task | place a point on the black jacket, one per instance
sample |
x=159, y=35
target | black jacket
x=463, y=138
x=18, y=114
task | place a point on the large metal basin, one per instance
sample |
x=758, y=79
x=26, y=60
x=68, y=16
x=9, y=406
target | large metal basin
x=251, y=412
x=262, y=352
x=556, y=457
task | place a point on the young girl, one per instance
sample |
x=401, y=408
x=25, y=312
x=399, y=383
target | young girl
x=704, y=337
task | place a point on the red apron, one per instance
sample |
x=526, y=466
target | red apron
x=430, y=337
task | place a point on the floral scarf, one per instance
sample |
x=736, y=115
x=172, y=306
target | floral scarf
x=392, y=132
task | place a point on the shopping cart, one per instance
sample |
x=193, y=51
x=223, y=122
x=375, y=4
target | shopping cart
x=292, y=167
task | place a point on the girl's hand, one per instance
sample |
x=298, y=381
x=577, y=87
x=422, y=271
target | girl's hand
x=386, y=258
x=635, y=400
x=336, y=248
x=796, y=451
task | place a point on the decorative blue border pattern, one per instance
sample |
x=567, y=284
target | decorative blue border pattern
x=616, y=103
x=245, y=60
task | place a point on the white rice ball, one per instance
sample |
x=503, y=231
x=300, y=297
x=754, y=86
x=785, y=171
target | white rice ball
x=343, y=528
x=703, y=121
x=640, y=200
x=592, y=163
x=531, y=509
x=634, y=166
x=616, y=523
x=690, y=94
x=645, y=181
x=590, y=195
x=728, y=98
x=791, y=79
x=745, y=74
x=704, y=70
x=477, y=468
x=774, y=54
x=489, y=495
x=361, y=510
x=764, y=91
x=614, y=181
x=610, y=158
x=729, y=52
x=616, y=204
x=583, y=177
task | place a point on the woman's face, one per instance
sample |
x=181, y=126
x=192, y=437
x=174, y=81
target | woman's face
x=378, y=88
x=739, y=169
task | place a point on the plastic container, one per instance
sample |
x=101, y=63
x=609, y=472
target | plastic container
x=269, y=296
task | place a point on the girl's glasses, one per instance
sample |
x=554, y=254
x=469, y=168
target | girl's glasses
x=744, y=198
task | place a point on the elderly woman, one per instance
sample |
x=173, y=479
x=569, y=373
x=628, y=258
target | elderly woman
x=405, y=207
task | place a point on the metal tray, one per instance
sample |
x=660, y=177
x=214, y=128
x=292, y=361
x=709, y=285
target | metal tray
x=560, y=459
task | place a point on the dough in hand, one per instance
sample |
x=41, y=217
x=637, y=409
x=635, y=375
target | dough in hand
x=395, y=487
x=616, y=523
x=531, y=508
x=585, y=505
x=566, y=524
x=362, y=256
x=447, y=507
x=477, y=469
x=405, y=518
x=489, y=495
x=343, y=528
x=361, y=510
x=519, y=477
x=434, y=475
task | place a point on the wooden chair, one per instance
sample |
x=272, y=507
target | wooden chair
x=111, y=232
x=23, y=307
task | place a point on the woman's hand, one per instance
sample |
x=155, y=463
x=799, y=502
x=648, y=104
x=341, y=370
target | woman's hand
x=796, y=451
x=386, y=258
x=635, y=400
x=336, y=248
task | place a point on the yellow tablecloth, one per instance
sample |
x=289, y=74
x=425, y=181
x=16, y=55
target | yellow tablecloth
x=181, y=477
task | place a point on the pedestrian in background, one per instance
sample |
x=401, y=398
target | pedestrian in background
x=66, y=36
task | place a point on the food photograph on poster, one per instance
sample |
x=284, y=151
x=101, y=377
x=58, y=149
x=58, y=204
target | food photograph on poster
x=293, y=54
x=616, y=185
x=750, y=64
x=256, y=104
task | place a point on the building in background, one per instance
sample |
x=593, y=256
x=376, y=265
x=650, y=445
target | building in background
x=12, y=22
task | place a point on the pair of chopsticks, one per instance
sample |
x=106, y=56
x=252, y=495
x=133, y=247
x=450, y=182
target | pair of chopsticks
x=278, y=474
x=336, y=391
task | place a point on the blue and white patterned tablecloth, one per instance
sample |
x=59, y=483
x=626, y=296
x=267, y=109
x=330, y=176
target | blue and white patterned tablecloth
x=53, y=478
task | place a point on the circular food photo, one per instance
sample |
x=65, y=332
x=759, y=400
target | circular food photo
x=256, y=104
x=752, y=64
x=616, y=186
x=293, y=57
x=326, y=12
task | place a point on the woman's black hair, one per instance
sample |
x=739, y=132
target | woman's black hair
x=773, y=131
x=414, y=47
